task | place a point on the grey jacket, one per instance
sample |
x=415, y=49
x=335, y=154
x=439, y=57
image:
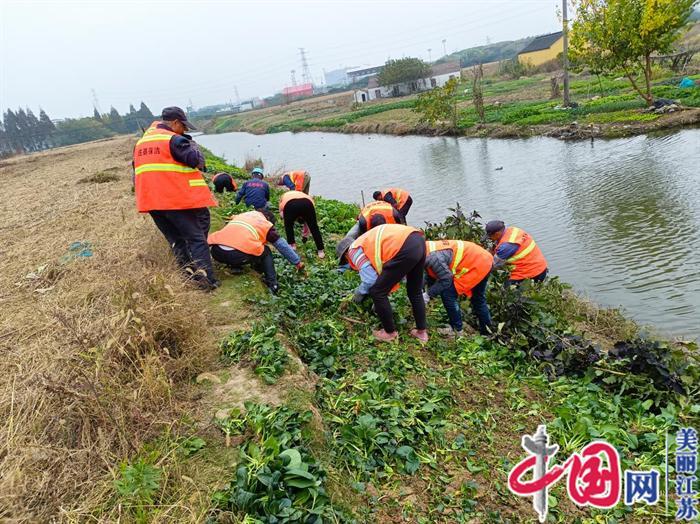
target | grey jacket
x=439, y=262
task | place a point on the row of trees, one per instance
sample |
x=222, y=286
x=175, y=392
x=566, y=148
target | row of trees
x=22, y=132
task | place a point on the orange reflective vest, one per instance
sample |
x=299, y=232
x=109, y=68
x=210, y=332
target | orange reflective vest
x=378, y=207
x=246, y=232
x=400, y=195
x=233, y=182
x=528, y=261
x=161, y=183
x=293, y=195
x=380, y=244
x=297, y=178
x=470, y=263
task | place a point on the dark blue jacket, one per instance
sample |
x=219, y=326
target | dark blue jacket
x=183, y=150
x=287, y=181
x=255, y=193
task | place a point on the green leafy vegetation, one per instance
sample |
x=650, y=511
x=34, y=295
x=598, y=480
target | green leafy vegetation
x=137, y=486
x=439, y=105
x=443, y=421
x=341, y=120
x=261, y=346
x=277, y=479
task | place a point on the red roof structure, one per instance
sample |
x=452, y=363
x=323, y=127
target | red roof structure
x=300, y=90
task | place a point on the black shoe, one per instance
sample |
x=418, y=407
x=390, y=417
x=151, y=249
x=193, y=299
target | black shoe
x=205, y=284
x=274, y=288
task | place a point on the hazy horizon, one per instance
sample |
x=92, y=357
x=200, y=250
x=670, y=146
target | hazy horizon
x=168, y=53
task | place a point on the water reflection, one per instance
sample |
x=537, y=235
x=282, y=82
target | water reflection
x=619, y=219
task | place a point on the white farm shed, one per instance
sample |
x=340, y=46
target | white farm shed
x=439, y=75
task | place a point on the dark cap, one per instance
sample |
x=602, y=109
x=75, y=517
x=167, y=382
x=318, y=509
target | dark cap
x=494, y=226
x=342, y=248
x=175, y=113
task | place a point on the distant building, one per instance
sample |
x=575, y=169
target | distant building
x=296, y=92
x=439, y=75
x=362, y=72
x=337, y=77
x=542, y=49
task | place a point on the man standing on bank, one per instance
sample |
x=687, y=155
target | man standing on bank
x=170, y=187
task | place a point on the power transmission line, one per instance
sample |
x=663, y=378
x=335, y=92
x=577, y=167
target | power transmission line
x=305, y=74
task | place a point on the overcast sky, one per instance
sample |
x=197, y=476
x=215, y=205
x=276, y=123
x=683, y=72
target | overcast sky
x=52, y=53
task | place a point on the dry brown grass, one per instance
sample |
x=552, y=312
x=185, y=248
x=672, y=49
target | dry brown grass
x=97, y=352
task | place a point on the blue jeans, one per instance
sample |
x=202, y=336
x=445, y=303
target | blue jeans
x=479, y=306
x=450, y=299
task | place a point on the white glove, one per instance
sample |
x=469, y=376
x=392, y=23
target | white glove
x=426, y=298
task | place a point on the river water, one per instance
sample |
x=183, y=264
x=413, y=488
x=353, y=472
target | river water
x=618, y=219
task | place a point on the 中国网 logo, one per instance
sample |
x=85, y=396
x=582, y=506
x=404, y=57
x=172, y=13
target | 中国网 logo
x=594, y=475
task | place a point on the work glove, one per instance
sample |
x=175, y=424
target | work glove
x=426, y=298
x=358, y=298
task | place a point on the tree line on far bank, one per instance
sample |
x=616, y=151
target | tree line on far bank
x=22, y=132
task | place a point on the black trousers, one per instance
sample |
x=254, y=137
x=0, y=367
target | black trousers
x=303, y=210
x=407, y=205
x=409, y=262
x=237, y=259
x=223, y=182
x=537, y=279
x=186, y=231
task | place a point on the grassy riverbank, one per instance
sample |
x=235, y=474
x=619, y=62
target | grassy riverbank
x=128, y=396
x=607, y=107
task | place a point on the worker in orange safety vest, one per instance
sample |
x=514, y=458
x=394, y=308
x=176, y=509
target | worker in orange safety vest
x=397, y=197
x=454, y=268
x=383, y=256
x=296, y=181
x=372, y=215
x=224, y=182
x=169, y=185
x=243, y=240
x=515, y=249
x=296, y=206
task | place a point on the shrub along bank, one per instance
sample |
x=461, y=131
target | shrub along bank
x=430, y=433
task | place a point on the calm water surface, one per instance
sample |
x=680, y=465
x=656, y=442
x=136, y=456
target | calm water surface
x=619, y=219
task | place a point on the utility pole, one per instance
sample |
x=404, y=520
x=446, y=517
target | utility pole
x=444, y=47
x=294, y=77
x=565, y=27
x=430, y=56
x=238, y=98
